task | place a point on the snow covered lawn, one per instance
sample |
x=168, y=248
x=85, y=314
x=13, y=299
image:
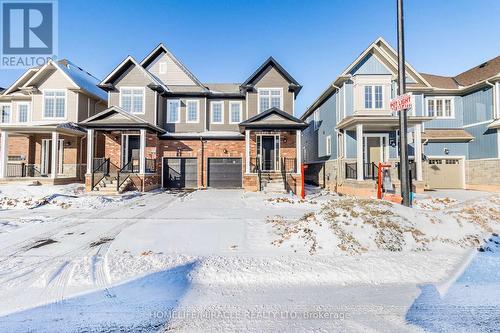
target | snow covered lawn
x=225, y=260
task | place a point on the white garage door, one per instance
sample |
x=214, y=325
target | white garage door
x=445, y=172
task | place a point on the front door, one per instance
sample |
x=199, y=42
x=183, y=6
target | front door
x=46, y=162
x=268, y=153
x=374, y=150
x=131, y=150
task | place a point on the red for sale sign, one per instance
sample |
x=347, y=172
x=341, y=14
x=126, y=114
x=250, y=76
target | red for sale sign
x=401, y=103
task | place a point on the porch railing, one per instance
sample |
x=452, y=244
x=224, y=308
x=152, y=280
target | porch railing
x=351, y=170
x=255, y=168
x=22, y=170
x=289, y=165
x=100, y=170
x=150, y=164
x=413, y=170
x=370, y=171
x=125, y=172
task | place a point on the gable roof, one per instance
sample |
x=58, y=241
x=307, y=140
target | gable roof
x=116, y=117
x=294, y=85
x=122, y=68
x=160, y=49
x=273, y=118
x=79, y=78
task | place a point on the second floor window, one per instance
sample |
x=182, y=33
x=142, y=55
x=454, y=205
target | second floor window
x=328, y=145
x=235, y=108
x=22, y=115
x=5, y=116
x=217, y=112
x=270, y=98
x=173, y=111
x=132, y=99
x=54, y=104
x=192, y=111
x=374, y=97
x=440, y=107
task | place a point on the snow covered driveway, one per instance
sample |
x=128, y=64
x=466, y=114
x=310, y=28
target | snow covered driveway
x=224, y=260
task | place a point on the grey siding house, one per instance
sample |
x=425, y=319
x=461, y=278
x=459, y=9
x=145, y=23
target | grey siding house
x=453, y=126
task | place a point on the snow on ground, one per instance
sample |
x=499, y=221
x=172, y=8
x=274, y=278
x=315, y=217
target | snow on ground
x=225, y=260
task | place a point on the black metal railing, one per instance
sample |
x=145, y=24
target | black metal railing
x=413, y=169
x=100, y=170
x=22, y=170
x=288, y=165
x=351, y=170
x=370, y=171
x=255, y=168
x=150, y=165
x=125, y=172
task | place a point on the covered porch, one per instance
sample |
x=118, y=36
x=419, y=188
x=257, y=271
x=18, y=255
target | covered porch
x=370, y=140
x=49, y=154
x=273, y=151
x=122, y=149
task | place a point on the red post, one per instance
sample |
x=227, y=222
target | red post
x=303, y=193
x=379, y=181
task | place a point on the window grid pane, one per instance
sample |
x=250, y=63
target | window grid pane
x=5, y=113
x=368, y=97
x=430, y=107
x=173, y=111
x=439, y=108
x=60, y=107
x=378, y=97
x=235, y=113
x=447, y=107
x=49, y=107
x=192, y=113
x=216, y=112
x=23, y=113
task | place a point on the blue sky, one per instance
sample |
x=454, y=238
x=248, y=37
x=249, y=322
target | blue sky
x=225, y=41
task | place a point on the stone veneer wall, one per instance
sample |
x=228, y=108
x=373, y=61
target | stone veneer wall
x=482, y=174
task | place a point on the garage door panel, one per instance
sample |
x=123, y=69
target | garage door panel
x=180, y=173
x=225, y=172
x=445, y=173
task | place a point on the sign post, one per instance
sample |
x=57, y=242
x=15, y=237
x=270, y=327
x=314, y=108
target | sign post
x=403, y=121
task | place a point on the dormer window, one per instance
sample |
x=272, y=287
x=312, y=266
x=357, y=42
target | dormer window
x=132, y=99
x=374, y=97
x=270, y=98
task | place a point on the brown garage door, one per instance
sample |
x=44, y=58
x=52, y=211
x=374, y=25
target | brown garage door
x=445, y=173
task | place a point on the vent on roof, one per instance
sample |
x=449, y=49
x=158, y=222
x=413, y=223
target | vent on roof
x=483, y=64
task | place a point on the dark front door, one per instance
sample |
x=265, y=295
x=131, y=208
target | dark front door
x=132, y=149
x=224, y=172
x=268, y=157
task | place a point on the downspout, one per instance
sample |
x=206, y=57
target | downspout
x=202, y=161
x=339, y=158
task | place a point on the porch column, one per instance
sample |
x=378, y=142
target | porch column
x=418, y=150
x=359, y=152
x=299, y=150
x=4, y=150
x=55, y=155
x=142, y=152
x=247, y=151
x=90, y=150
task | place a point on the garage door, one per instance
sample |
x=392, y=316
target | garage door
x=180, y=173
x=445, y=173
x=224, y=172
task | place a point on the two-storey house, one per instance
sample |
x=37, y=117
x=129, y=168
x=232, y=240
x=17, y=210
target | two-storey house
x=453, y=126
x=165, y=128
x=39, y=112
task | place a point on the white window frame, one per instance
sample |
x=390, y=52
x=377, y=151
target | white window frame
x=443, y=98
x=240, y=103
x=316, y=119
x=269, y=88
x=212, y=113
x=132, y=100
x=44, y=92
x=328, y=145
x=373, y=98
x=10, y=113
x=28, y=116
x=197, y=111
x=178, y=111
x=162, y=67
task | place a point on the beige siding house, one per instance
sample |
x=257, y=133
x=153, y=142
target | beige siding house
x=40, y=138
